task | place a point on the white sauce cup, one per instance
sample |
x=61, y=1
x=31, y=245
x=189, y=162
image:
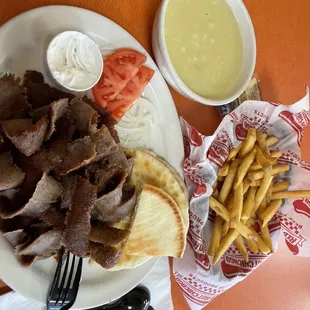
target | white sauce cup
x=74, y=61
x=248, y=64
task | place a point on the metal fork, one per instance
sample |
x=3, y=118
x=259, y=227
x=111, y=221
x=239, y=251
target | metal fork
x=64, y=288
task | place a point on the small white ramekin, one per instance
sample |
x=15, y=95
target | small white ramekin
x=248, y=64
x=96, y=53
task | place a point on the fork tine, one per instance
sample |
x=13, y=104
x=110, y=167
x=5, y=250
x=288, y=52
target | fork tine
x=56, y=277
x=78, y=274
x=64, y=294
x=72, y=292
x=64, y=275
x=76, y=283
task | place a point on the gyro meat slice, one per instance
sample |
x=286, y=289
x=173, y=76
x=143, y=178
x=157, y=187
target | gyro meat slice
x=25, y=136
x=39, y=93
x=56, y=110
x=108, y=254
x=84, y=117
x=14, y=224
x=45, y=245
x=53, y=217
x=107, y=235
x=104, y=255
x=110, y=199
x=67, y=156
x=64, y=127
x=26, y=261
x=13, y=103
x=16, y=237
x=78, y=217
x=119, y=159
x=101, y=172
x=106, y=117
x=68, y=185
x=46, y=192
x=37, y=114
x=32, y=76
x=10, y=175
x=105, y=144
x=127, y=205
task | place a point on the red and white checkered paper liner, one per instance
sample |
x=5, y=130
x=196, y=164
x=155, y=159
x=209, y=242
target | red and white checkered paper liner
x=199, y=280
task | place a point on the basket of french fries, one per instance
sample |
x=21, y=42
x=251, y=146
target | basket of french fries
x=249, y=187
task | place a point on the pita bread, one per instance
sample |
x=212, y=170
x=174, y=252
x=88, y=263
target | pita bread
x=130, y=262
x=177, y=176
x=158, y=229
x=149, y=169
x=125, y=262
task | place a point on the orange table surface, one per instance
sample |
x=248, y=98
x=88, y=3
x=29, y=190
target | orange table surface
x=283, y=66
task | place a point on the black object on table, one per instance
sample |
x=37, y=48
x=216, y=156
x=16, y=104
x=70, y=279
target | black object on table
x=137, y=299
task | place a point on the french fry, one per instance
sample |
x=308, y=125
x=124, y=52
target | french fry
x=269, y=194
x=216, y=235
x=246, y=185
x=215, y=184
x=256, y=183
x=256, y=175
x=276, y=154
x=245, y=231
x=248, y=143
x=252, y=221
x=254, y=217
x=262, y=246
x=253, y=247
x=225, y=244
x=270, y=211
x=255, y=166
x=272, y=140
x=266, y=236
x=264, y=160
x=244, y=167
x=236, y=210
x=219, y=209
x=262, y=207
x=227, y=185
x=221, y=178
x=262, y=142
x=280, y=168
x=281, y=186
x=249, y=204
x=215, y=193
x=262, y=190
x=259, y=174
x=241, y=248
x=226, y=225
x=233, y=152
x=290, y=194
x=224, y=169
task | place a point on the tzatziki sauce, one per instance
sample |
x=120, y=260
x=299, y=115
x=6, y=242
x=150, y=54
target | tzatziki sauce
x=74, y=60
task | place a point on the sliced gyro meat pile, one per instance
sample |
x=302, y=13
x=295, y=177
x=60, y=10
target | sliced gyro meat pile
x=63, y=174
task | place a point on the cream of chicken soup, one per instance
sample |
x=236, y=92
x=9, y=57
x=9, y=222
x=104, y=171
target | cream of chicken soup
x=204, y=44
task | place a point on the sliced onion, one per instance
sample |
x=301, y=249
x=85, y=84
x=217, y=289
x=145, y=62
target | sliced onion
x=135, y=127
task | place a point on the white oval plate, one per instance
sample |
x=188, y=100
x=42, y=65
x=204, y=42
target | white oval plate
x=23, y=42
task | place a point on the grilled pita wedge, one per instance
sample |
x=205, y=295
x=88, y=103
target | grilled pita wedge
x=158, y=228
x=150, y=169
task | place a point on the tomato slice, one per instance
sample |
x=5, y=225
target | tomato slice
x=119, y=68
x=133, y=90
